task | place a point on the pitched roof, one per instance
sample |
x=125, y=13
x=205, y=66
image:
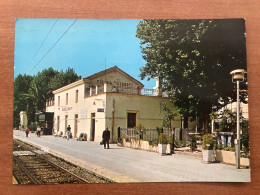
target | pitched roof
x=114, y=68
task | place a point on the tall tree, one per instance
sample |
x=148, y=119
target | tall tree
x=193, y=59
x=21, y=86
x=31, y=93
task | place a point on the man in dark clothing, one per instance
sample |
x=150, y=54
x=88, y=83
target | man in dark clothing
x=106, y=138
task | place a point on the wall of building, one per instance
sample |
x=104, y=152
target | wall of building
x=148, y=111
x=83, y=108
x=243, y=107
x=110, y=111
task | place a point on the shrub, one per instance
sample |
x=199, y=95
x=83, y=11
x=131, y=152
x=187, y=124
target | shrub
x=159, y=130
x=163, y=138
x=193, y=141
x=207, y=142
x=180, y=143
x=228, y=148
x=33, y=126
x=219, y=146
x=169, y=140
x=245, y=140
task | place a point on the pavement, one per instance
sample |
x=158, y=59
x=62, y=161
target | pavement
x=130, y=165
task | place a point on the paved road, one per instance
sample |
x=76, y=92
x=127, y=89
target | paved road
x=130, y=165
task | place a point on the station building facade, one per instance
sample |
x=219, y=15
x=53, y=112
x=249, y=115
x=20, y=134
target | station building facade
x=110, y=98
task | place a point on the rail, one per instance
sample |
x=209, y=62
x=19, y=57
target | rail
x=28, y=170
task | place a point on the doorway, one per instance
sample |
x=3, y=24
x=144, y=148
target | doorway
x=131, y=120
x=76, y=125
x=92, y=129
x=66, y=124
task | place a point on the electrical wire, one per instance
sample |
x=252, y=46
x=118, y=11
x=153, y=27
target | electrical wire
x=42, y=42
x=54, y=45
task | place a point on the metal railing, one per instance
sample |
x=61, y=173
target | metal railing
x=151, y=134
x=148, y=134
x=123, y=90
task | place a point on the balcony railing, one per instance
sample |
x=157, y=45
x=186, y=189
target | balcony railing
x=50, y=102
x=122, y=90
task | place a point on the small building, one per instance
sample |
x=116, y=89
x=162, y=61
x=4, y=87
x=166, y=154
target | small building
x=110, y=98
x=23, y=120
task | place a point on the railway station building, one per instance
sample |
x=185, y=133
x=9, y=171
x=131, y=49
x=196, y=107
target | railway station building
x=110, y=98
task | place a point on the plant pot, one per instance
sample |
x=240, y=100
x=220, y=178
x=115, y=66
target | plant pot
x=162, y=148
x=168, y=149
x=208, y=156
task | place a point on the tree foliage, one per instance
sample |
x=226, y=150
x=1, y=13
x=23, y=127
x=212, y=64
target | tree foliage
x=193, y=59
x=31, y=92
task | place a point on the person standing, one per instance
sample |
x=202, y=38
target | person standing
x=106, y=138
x=38, y=131
x=27, y=131
x=68, y=132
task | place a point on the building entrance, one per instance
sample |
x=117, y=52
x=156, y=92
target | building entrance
x=92, y=131
x=131, y=120
x=76, y=125
x=66, y=124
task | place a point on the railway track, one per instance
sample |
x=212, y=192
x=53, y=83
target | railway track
x=33, y=166
x=42, y=171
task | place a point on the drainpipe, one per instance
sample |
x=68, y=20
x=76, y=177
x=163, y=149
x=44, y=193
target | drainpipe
x=113, y=118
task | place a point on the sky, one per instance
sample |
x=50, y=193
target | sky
x=86, y=45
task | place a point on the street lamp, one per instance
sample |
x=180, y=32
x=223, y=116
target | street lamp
x=238, y=76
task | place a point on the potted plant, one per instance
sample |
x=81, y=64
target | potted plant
x=162, y=143
x=207, y=148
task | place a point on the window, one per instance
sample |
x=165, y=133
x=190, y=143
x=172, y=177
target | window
x=58, y=100
x=76, y=96
x=67, y=98
x=131, y=120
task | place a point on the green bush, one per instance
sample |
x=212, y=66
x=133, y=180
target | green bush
x=163, y=138
x=207, y=142
x=245, y=140
x=219, y=146
x=169, y=140
x=33, y=126
x=193, y=141
x=159, y=130
x=228, y=148
x=180, y=143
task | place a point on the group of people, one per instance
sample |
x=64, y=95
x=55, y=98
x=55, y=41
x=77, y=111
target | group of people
x=105, y=135
x=38, y=131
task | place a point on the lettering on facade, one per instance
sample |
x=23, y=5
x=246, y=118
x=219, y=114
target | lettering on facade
x=117, y=83
x=66, y=108
x=100, y=110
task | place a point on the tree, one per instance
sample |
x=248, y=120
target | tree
x=21, y=86
x=31, y=92
x=193, y=59
x=169, y=115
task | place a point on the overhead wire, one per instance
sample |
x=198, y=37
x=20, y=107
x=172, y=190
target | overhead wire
x=54, y=45
x=42, y=42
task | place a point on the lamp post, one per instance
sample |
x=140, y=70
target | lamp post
x=238, y=76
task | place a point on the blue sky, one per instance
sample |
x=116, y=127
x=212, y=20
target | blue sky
x=88, y=47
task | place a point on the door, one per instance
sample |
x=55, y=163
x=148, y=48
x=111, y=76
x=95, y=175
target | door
x=66, y=124
x=58, y=124
x=92, y=133
x=131, y=120
x=76, y=125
